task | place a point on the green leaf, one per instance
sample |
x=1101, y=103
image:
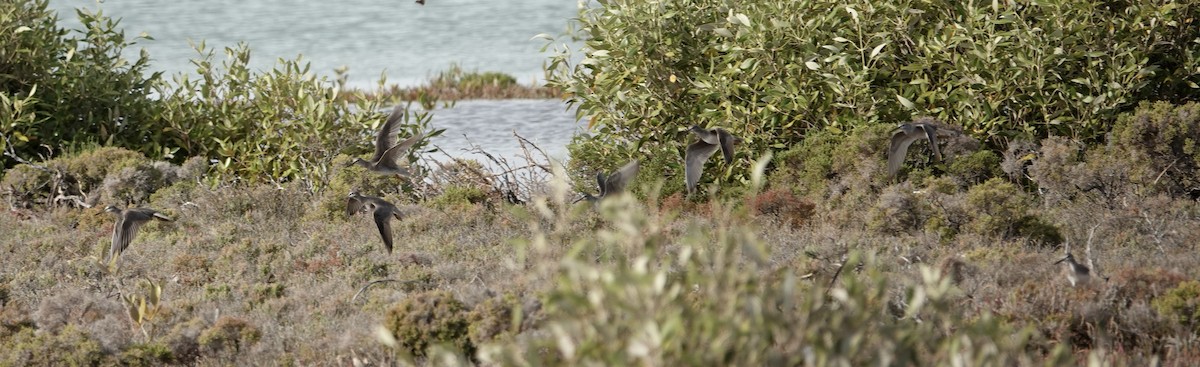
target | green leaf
x=904, y=101
x=743, y=19
x=875, y=52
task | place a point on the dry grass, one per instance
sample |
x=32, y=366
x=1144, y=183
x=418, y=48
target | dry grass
x=267, y=275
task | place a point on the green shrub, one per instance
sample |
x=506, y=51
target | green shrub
x=775, y=72
x=831, y=163
x=976, y=167
x=996, y=207
x=428, y=318
x=1181, y=304
x=898, y=210
x=454, y=195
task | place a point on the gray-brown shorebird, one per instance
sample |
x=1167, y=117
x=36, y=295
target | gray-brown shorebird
x=381, y=210
x=904, y=135
x=614, y=183
x=128, y=222
x=697, y=153
x=1076, y=273
x=388, y=153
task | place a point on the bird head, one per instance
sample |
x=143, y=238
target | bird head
x=1069, y=258
x=589, y=197
x=354, y=194
x=110, y=209
x=355, y=161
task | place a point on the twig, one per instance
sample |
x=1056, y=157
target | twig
x=1164, y=171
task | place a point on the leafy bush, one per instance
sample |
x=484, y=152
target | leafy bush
x=976, y=167
x=428, y=318
x=774, y=72
x=84, y=90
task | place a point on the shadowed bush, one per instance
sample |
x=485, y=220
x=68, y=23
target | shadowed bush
x=428, y=318
x=1181, y=304
x=1165, y=139
x=229, y=334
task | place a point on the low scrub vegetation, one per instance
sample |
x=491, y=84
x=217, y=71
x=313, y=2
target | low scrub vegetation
x=855, y=272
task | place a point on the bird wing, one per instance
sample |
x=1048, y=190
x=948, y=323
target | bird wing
x=383, y=221
x=931, y=134
x=353, y=205
x=693, y=162
x=124, y=231
x=727, y=141
x=391, y=158
x=386, y=137
x=619, y=179
x=901, y=139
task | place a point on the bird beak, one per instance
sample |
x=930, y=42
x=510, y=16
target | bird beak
x=351, y=163
x=1060, y=261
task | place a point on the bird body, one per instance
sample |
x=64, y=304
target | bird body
x=1076, y=273
x=381, y=211
x=614, y=183
x=697, y=153
x=388, y=152
x=128, y=222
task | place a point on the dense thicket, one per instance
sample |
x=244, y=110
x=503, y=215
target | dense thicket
x=775, y=71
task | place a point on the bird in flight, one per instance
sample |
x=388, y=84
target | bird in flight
x=614, y=183
x=128, y=222
x=381, y=210
x=388, y=152
x=697, y=153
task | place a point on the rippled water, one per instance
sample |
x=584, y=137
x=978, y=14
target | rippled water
x=490, y=125
x=407, y=41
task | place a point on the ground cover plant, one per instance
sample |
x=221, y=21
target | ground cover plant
x=804, y=251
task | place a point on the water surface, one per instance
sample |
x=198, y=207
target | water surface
x=407, y=41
